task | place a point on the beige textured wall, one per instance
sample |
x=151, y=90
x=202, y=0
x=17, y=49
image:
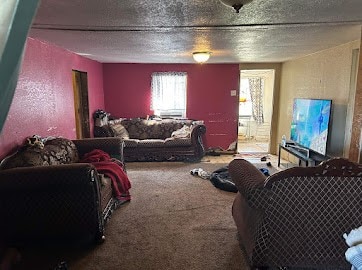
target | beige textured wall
x=355, y=150
x=325, y=74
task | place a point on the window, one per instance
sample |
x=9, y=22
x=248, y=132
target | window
x=245, y=105
x=251, y=98
x=169, y=94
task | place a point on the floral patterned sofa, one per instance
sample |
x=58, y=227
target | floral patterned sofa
x=48, y=196
x=156, y=140
x=296, y=218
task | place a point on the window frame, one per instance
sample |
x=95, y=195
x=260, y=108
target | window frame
x=160, y=98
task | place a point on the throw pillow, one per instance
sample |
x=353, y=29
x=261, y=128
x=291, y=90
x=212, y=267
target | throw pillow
x=120, y=131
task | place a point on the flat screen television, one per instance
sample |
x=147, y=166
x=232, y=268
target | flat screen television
x=310, y=123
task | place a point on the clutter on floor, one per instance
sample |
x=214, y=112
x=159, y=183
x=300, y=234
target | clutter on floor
x=219, y=178
x=222, y=180
x=201, y=173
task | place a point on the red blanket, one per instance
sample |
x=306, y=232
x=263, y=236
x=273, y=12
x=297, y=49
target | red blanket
x=111, y=168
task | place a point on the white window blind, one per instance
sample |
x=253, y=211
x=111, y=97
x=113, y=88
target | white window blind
x=169, y=93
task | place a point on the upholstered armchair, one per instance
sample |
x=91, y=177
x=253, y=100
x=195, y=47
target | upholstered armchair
x=48, y=195
x=296, y=218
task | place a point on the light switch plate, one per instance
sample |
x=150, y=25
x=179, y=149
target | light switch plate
x=233, y=93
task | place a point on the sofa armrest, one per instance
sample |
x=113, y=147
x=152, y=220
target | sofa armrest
x=249, y=205
x=196, y=139
x=111, y=145
x=198, y=130
x=246, y=176
x=103, y=131
x=50, y=203
x=247, y=221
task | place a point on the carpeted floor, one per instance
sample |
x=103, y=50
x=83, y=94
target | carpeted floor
x=271, y=169
x=174, y=221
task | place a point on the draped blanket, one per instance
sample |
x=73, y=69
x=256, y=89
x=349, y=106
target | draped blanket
x=111, y=168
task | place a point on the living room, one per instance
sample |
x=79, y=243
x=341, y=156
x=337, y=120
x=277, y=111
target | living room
x=40, y=93
x=43, y=102
x=46, y=70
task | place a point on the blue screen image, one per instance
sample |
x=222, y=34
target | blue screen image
x=310, y=123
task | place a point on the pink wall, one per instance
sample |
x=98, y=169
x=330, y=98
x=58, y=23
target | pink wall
x=44, y=101
x=127, y=94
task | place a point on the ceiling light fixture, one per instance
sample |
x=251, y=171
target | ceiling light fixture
x=201, y=57
x=235, y=4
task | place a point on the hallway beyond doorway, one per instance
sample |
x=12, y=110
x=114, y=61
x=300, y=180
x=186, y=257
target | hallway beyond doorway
x=255, y=110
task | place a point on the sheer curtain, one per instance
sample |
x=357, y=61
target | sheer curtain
x=256, y=86
x=15, y=20
x=169, y=92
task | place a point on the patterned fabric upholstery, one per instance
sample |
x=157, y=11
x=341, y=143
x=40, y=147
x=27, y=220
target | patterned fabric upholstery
x=112, y=145
x=45, y=205
x=151, y=140
x=103, y=131
x=131, y=143
x=120, y=131
x=56, y=151
x=53, y=198
x=170, y=142
x=305, y=213
x=248, y=178
x=152, y=129
x=151, y=143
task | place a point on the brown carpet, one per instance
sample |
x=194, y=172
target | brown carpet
x=174, y=221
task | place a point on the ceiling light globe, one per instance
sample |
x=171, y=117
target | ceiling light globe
x=201, y=57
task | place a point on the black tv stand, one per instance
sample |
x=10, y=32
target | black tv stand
x=299, y=149
x=309, y=157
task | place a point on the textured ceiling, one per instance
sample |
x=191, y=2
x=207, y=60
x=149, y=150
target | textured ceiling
x=154, y=31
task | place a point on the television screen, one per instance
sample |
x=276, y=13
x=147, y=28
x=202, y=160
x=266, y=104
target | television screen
x=310, y=123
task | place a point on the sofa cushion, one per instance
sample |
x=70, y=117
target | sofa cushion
x=116, y=121
x=60, y=151
x=120, y=131
x=135, y=128
x=131, y=143
x=171, y=142
x=151, y=143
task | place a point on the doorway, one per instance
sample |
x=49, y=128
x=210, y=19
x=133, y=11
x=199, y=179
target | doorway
x=255, y=110
x=81, y=104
